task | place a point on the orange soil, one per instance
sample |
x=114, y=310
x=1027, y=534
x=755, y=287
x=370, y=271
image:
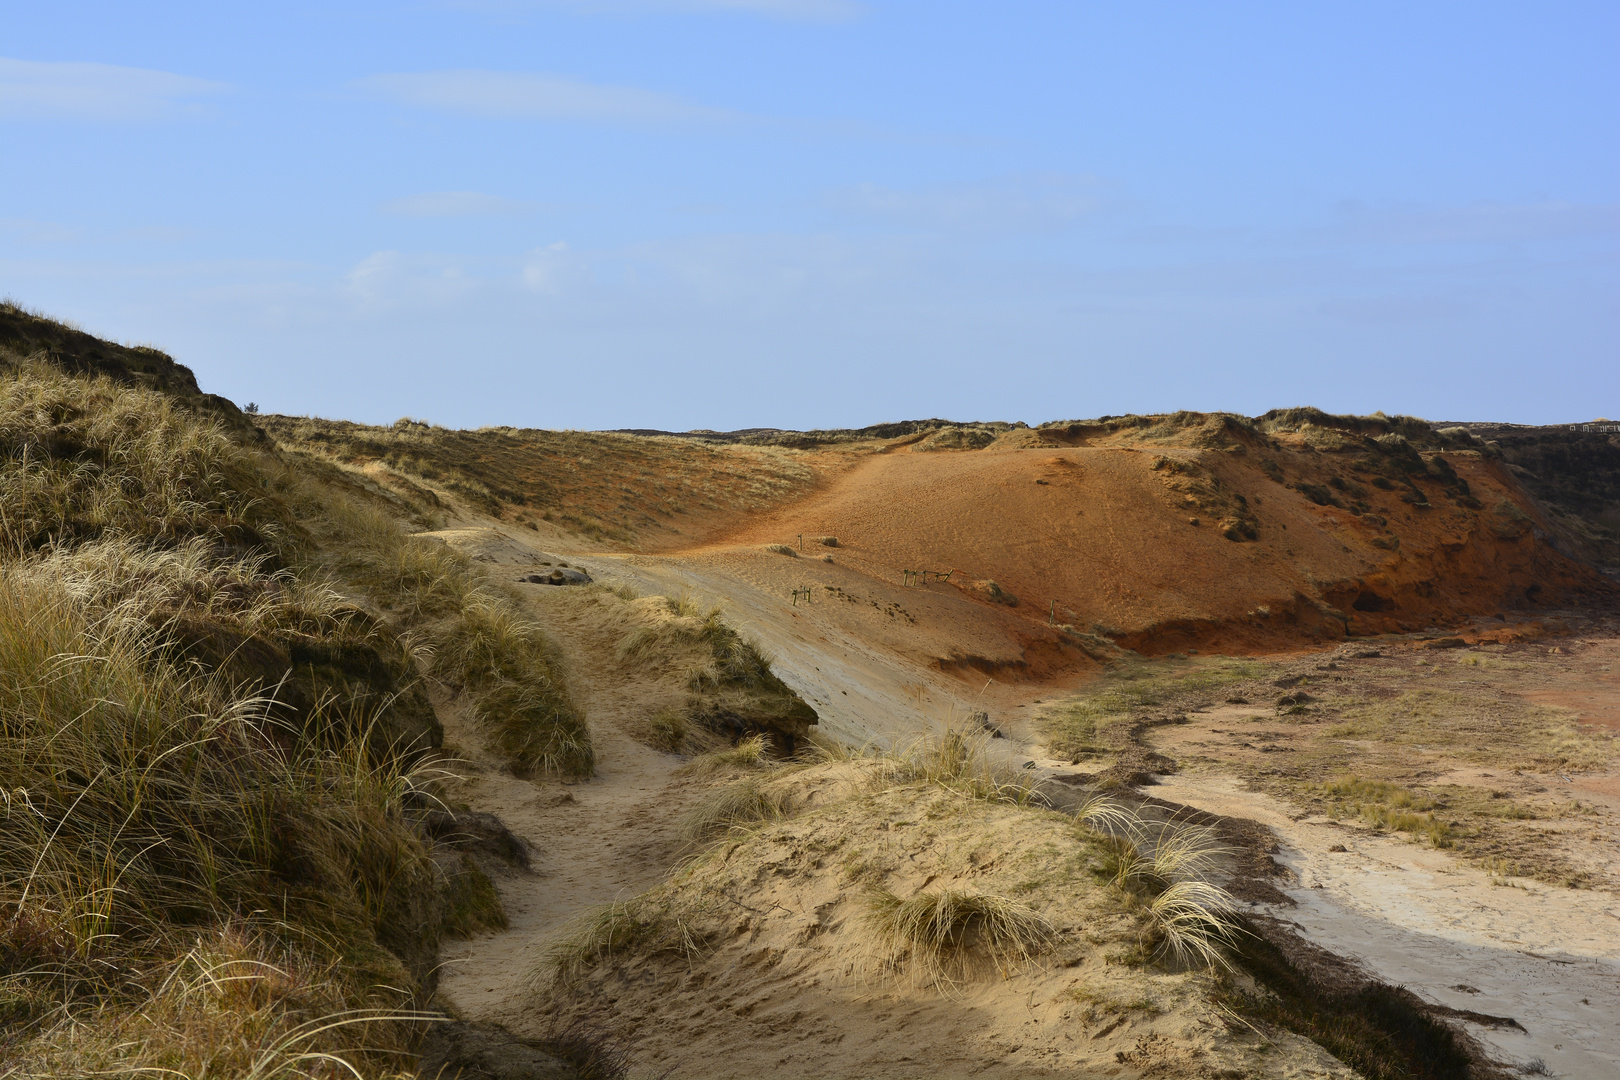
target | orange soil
x=1094, y=530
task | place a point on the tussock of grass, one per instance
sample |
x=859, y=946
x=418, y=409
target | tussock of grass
x=673, y=625
x=1166, y=866
x=964, y=760
x=747, y=754
x=733, y=690
x=527, y=728
x=781, y=549
x=664, y=730
x=640, y=926
x=740, y=805
x=1196, y=922
x=937, y=936
x=520, y=699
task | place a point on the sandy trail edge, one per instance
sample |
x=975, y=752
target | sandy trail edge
x=1547, y=957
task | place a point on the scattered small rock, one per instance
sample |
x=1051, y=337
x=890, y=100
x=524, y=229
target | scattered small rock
x=1338, y=847
x=559, y=576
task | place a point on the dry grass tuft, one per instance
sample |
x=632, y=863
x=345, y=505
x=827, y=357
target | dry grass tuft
x=1166, y=866
x=741, y=805
x=747, y=754
x=641, y=926
x=938, y=936
x=963, y=759
x=519, y=697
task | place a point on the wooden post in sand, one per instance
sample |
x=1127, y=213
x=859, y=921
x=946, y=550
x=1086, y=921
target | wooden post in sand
x=1051, y=616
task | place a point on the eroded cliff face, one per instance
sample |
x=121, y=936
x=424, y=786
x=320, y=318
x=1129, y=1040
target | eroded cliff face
x=1356, y=526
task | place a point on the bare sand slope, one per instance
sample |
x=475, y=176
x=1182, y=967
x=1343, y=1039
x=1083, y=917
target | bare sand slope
x=874, y=659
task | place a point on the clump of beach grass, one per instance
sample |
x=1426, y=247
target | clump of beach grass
x=1164, y=868
x=962, y=758
x=938, y=936
x=641, y=925
x=740, y=805
x=748, y=753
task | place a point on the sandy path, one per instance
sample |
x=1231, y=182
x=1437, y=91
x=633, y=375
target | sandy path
x=593, y=842
x=1548, y=957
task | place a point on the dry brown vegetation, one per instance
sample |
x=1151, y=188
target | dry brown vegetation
x=601, y=485
x=223, y=657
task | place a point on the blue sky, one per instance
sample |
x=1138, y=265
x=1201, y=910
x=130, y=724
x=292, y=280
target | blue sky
x=814, y=213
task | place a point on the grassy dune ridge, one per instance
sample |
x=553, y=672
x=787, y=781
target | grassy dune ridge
x=214, y=740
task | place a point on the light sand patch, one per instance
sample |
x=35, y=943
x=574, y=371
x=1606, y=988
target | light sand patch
x=1545, y=956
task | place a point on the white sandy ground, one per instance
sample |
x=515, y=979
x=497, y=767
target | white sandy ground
x=1549, y=957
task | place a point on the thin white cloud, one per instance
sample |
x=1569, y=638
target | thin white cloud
x=1038, y=203
x=526, y=96
x=37, y=90
x=795, y=10
x=438, y=204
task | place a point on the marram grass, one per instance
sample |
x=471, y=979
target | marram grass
x=939, y=937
